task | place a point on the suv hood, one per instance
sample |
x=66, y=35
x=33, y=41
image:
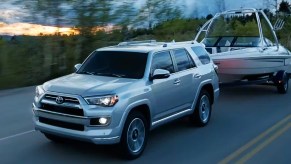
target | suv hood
x=86, y=85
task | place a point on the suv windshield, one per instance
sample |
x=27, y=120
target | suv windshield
x=115, y=64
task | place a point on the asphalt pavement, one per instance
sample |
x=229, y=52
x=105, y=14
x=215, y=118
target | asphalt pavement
x=249, y=124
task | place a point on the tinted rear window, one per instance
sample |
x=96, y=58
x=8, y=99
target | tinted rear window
x=183, y=60
x=202, y=54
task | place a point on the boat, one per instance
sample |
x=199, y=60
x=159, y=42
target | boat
x=244, y=46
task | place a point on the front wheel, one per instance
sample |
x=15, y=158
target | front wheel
x=134, y=136
x=202, y=112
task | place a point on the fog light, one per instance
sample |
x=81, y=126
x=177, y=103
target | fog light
x=103, y=120
x=100, y=121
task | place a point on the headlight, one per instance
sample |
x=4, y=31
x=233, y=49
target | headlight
x=39, y=91
x=106, y=101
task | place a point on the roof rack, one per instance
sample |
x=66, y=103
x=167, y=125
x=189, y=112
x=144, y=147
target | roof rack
x=177, y=43
x=137, y=42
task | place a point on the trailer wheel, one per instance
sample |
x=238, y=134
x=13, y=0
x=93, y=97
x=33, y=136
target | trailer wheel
x=282, y=82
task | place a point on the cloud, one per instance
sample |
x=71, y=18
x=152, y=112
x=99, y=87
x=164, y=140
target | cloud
x=12, y=11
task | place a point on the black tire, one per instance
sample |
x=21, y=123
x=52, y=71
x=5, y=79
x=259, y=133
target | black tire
x=283, y=84
x=202, y=113
x=54, y=138
x=132, y=132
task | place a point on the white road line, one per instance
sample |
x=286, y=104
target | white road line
x=16, y=135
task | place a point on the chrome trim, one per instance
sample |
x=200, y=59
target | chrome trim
x=72, y=100
x=45, y=101
x=67, y=97
x=171, y=116
x=53, y=97
x=50, y=116
x=110, y=138
x=76, y=117
x=62, y=114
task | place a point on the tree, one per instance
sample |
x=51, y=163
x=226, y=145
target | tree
x=125, y=13
x=209, y=16
x=47, y=12
x=155, y=11
x=220, y=5
x=91, y=14
x=269, y=4
x=284, y=7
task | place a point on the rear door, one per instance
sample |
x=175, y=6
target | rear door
x=164, y=91
x=188, y=76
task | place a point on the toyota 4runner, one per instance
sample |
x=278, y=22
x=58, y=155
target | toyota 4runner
x=122, y=92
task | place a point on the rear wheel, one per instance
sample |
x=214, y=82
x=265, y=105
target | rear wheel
x=282, y=82
x=134, y=136
x=202, y=112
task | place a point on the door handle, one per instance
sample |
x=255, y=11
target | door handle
x=197, y=76
x=177, y=82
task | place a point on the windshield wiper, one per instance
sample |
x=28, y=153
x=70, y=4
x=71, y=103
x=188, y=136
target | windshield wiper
x=109, y=74
x=101, y=74
x=87, y=73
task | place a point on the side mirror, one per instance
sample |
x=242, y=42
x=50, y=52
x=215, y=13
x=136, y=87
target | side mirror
x=160, y=74
x=77, y=67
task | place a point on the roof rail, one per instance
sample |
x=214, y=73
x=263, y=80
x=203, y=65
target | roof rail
x=136, y=42
x=177, y=43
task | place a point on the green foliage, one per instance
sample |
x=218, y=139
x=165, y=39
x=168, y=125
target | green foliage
x=34, y=60
x=236, y=26
x=31, y=60
x=177, y=29
x=284, y=35
x=155, y=11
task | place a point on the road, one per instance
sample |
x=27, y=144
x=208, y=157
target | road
x=249, y=124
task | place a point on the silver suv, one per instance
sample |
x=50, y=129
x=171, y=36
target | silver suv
x=122, y=92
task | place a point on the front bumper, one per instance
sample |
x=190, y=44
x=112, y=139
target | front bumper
x=94, y=134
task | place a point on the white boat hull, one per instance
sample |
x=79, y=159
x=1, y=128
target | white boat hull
x=233, y=68
x=241, y=52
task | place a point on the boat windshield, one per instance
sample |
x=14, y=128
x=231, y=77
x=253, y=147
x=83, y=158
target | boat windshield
x=233, y=41
x=233, y=30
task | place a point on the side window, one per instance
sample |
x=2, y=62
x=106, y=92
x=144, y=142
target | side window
x=202, y=54
x=183, y=60
x=163, y=60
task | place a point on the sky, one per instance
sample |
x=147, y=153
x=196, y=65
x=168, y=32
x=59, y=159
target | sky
x=14, y=12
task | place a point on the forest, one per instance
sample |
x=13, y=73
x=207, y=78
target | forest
x=32, y=60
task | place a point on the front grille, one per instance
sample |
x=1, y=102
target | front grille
x=63, y=109
x=62, y=124
x=66, y=99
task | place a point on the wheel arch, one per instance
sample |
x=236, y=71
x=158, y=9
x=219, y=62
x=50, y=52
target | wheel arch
x=142, y=106
x=209, y=88
x=205, y=85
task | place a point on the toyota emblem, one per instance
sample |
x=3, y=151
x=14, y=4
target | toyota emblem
x=59, y=100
